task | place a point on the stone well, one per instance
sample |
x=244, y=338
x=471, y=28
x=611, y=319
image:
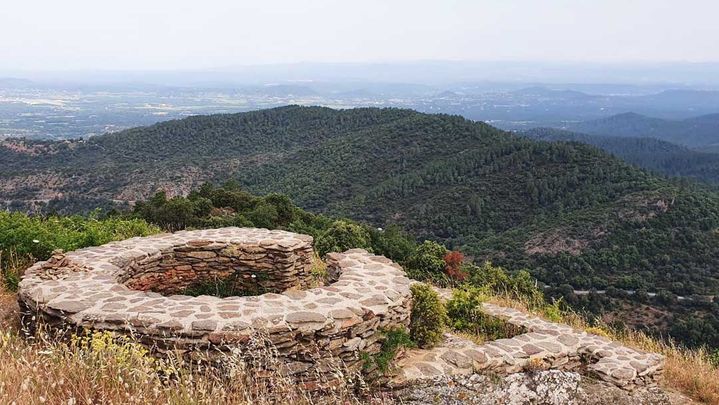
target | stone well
x=134, y=287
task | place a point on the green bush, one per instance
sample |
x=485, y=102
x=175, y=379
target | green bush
x=264, y=215
x=24, y=238
x=395, y=339
x=429, y=316
x=427, y=261
x=174, y=214
x=393, y=243
x=553, y=311
x=714, y=358
x=496, y=280
x=38, y=237
x=493, y=278
x=465, y=307
x=465, y=314
x=343, y=235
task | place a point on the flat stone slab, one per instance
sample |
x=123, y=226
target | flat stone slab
x=545, y=345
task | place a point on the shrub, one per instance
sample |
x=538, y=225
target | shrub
x=11, y=268
x=343, y=235
x=264, y=215
x=714, y=358
x=173, y=215
x=453, y=265
x=553, y=311
x=393, y=243
x=283, y=207
x=524, y=288
x=429, y=316
x=465, y=314
x=38, y=236
x=496, y=280
x=395, y=339
x=24, y=239
x=318, y=271
x=465, y=307
x=427, y=260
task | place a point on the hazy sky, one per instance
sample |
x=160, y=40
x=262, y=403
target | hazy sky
x=183, y=34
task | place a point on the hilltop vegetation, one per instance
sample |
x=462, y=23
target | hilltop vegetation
x=653, y=154
x=694, y=132
x=568, y=212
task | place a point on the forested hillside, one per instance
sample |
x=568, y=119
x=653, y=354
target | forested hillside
x=567, y=212
x=656, y=155
x=696, y=132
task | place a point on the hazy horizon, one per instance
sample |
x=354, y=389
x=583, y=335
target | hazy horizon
x=665, y=75
x=133, y=35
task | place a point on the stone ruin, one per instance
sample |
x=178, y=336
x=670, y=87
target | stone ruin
x=134, y=287
x=539, y=345
x=317, y=325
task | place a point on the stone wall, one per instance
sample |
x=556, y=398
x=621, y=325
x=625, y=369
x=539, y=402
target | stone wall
x=541, y=345
x=253, y=268
x=314, y=333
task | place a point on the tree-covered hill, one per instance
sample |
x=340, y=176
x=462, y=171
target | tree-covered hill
x=568, y=212
x=693, y=132
x=656, y=155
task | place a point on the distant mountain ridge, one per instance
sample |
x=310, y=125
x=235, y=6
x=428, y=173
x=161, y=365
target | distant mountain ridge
x=692, y=132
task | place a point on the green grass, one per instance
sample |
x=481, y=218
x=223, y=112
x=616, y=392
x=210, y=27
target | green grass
x=395, y=339
x=223, y=288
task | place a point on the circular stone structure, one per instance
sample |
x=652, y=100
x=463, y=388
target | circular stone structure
x=132, y=287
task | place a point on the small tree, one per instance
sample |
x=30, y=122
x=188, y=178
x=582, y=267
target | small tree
x=429, y=316
x=343, y=235
x=264, y=215
x=283, y=206
x=453, y=265
x=428, y=258
x=393, y=243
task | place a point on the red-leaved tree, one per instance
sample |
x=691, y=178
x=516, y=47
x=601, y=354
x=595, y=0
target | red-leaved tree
x=453, y=265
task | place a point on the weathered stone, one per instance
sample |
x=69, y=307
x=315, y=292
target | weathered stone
x=304, y=316
x=208, y=325
x=457, y=359
x=531, y=349
x=170, y=325
x=341, y=314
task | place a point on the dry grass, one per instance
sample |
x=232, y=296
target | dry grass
x=690, y=372
x=318, y=271
x=8, y=310
x=100, y=369
x=12, y=267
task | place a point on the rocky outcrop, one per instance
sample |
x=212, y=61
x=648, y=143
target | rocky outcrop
x=550, y=387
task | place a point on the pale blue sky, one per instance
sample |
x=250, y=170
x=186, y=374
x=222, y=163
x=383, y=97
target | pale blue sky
x=183, y=34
